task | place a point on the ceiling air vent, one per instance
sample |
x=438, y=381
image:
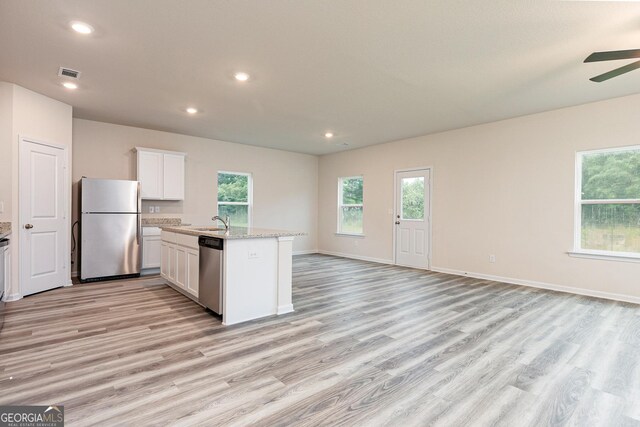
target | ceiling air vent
x=68, y=72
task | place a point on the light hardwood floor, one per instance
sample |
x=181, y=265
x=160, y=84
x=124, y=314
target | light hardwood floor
x=368, y=345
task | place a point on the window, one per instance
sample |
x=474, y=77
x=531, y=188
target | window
x=608, y=202
x=350, y=207
x=234, y=197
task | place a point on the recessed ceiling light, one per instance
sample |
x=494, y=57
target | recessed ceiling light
x=192, y=110
x=242, y=77
x=81, y=27
x=70, y=85
x=328, y=135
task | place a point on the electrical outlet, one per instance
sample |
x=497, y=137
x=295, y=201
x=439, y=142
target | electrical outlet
x=150, y=209
x=492, y=258
x=157, y=209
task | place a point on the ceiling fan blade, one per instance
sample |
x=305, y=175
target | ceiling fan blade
x=613, y=55
x=615, y=73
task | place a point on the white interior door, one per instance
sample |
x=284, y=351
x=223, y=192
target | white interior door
x=43, y=210
x=412, y=221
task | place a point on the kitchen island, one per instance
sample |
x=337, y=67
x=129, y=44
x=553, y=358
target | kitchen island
x=255, y=269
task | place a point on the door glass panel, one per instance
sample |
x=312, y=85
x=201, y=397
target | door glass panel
x=413, y=198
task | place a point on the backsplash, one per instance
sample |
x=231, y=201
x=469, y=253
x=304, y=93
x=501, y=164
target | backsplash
x=161, y=221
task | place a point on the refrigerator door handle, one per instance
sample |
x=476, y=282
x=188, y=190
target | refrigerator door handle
x=139, y=230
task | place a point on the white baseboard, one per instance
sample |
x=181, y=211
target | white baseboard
x=307, y=252
x=284, y=309
x=541, y=285
x=13, y=297
x=358, y=257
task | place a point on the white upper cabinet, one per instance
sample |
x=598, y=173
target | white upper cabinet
x=173, y=176
x=150, y=165
x=161, y=174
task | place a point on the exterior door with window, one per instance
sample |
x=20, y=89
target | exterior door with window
x=412, y=222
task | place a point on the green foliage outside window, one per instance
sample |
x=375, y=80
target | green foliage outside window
x=413, y=198
x=611, y=226
x=233, y=188
x=351, y=210
x=352, y=191
x=233, y=198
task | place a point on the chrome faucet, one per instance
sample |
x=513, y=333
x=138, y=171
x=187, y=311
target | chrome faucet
x=226, y=221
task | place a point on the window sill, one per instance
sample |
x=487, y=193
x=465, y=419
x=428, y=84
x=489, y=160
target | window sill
x=607, y=256
x=349, y=235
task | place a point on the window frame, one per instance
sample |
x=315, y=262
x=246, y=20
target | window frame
x=341, y=205
x=578, y=251
x=248, y=203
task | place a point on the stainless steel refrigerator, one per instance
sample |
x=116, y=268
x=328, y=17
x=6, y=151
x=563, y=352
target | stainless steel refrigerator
x=110, y=229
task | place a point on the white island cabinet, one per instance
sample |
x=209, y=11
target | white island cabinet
x=256, y=269
x=179, y=259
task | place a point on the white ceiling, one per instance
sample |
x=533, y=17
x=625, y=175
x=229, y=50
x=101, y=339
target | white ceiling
x=371, y=71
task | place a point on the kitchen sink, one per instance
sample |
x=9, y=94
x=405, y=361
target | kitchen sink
x=207, y=229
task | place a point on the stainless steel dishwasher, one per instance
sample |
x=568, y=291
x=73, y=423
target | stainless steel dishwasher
x=210, y=279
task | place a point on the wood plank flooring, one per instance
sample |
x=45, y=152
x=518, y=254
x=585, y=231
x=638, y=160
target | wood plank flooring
x=368, y=345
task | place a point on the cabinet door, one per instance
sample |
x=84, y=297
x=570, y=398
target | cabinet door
x=150, y=174
x=173, y=177
x=181, y=267
x=165, y=261
x=193, y=271
x=151, y=252
x=172, y=263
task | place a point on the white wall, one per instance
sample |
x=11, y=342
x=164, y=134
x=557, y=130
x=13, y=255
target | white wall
x=6, y=151
x=285, y=184
x=35, y=116
x=504, y=188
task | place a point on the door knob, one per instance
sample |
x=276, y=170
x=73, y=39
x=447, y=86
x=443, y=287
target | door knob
x=28, y=226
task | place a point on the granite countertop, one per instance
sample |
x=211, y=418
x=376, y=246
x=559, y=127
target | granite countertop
x=233, y=233
x=5, y=229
